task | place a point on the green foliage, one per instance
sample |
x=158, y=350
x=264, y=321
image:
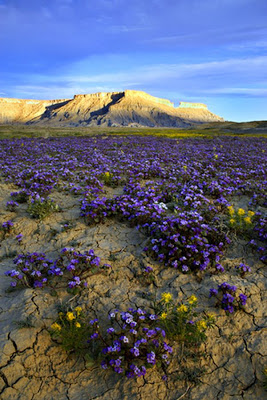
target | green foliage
x=41, y=208
x=180, y=320
x=72, y=331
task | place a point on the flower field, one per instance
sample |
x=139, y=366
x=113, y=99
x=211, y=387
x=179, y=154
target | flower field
x=133, y=267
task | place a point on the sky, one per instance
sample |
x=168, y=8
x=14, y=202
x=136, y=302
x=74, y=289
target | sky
x=209, y=51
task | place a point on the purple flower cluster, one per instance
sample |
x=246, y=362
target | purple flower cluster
x=174, y=191
x=134, y=343
x=261, y=231
x=243, y=269
x=35, y=270
x=12, y=205
x=185, y=242
x=7, y=226
x=227, y=298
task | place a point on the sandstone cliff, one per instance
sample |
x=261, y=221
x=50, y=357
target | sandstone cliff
x=127, y=108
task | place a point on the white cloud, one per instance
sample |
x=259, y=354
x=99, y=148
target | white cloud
x=259, y=92
x=208, y=78
x=231, y=67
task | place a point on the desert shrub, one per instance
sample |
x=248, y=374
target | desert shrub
x=22, y=196
x=185, y=242
x=243, y=269
x=40, y=207
x=70, y=268
x=147, y=275
x=7, y=227
x=240, y=221
x=111, y=179
x=131, y=344
x=134, y=343
x=181, y=321
x=12, y=205
x=72, y=330
x=135, y=340
x=32, y=270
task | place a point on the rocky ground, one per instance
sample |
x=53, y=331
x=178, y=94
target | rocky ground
x=32, y=366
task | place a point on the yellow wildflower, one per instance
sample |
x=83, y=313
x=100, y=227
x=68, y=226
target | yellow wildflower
x=107, y=174
x=70, y=316
x=211, y=316
x=77, y=324
x=241, y=211
x=163, y=315
x=247, y=220
x=182, y=308
x=192, y=299
x=185, y=167
x=251, y=213
x=232, y=221
x=215, y=156
x=231, y=210
x=166, y=297
x=56, y=327
x=78, y=310
x=202, y=324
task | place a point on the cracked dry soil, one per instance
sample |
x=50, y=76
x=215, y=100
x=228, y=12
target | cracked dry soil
x=33, y=367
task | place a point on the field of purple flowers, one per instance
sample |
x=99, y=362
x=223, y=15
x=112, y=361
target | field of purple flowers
x=156, y=233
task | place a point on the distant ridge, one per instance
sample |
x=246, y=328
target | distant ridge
x=127, y=108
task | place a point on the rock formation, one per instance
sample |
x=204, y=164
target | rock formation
x=128, y=108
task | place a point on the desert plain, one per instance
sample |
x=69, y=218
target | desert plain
x=115, y=195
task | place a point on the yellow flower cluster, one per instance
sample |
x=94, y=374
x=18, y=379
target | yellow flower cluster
x=202, y=324
x=239, y=214
x=78, y=310
x=192, y=299
x=211, y=316
x=56, y=327
x=182, y=308
x=241, y=211
x=231, y=210
x=70, y=316
x=166, y=297
x=163, y=315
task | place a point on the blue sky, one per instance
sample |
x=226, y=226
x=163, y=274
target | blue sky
x=211, y=51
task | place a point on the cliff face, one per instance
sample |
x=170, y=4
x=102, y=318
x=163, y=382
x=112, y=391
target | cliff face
x=127, y=108
x=22, y=111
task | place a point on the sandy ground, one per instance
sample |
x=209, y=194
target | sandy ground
x=33, y=367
